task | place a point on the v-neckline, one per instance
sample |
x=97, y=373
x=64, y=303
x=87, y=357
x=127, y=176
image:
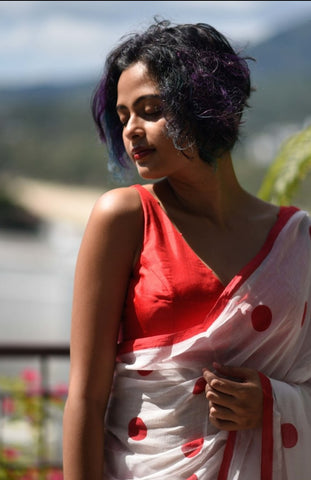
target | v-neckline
x=283, y=214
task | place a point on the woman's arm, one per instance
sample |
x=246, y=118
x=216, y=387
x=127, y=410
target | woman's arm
x=108, y=249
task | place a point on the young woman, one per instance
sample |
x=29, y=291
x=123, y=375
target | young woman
x=191, y=346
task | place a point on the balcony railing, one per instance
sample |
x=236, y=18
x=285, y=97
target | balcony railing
x=31, y=410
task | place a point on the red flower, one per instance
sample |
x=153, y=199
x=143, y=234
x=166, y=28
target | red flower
x=31, y=375
x=8, y=405
x=32, y=378
x=54, y=475
x=10, y=453
x=60, y=390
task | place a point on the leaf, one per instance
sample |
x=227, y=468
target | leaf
x=288, y=169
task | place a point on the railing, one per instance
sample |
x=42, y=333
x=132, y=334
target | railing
x=28, y=403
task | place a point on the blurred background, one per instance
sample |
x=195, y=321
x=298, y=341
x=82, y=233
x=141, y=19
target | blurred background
x=53, y=168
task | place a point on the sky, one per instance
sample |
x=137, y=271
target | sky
x=47, y=42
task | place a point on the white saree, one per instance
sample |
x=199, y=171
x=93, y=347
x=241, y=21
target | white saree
x=157, y=423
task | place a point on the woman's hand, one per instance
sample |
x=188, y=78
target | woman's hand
x=235, y=397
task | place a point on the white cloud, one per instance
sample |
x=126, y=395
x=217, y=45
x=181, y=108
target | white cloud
x=227, y=5
x=46, y=39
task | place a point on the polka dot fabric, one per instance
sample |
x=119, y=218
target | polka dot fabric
x=137, y=430
x=289, y=435
x=157, y=423
x=261, y=318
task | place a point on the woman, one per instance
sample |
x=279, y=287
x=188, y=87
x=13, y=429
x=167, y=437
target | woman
x=190, y=348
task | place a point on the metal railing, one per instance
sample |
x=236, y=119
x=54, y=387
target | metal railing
x=40, y=398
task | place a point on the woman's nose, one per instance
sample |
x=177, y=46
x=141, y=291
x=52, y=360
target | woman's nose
x=133, y=127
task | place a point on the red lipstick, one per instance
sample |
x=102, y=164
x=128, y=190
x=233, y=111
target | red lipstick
x=140, y=152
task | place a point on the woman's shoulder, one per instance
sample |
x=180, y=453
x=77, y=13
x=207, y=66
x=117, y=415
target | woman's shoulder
x=118, y=212
x=116, y=220
x=118, y=203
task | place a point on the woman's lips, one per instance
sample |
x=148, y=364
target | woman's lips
x=141, y=153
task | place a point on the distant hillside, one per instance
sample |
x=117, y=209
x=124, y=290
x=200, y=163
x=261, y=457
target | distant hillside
x=282, y=77
x=287, y=52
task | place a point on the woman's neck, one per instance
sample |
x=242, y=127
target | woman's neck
x=209, y=191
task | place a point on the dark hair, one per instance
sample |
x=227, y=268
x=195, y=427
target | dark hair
x=203, y=83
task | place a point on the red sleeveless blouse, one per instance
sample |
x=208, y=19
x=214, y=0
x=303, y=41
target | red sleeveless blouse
x=171, y=289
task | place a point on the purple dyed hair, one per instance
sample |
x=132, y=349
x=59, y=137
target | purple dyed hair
x=204, y=85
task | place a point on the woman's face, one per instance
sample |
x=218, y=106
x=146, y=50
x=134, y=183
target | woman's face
x=144, y=127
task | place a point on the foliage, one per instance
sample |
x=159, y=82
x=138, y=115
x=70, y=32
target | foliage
x=27, y=408
x=31, y=474
x=288, y=170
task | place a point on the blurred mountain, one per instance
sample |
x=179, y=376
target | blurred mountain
x=286, y=53
x=281, y=75
x=47, y=131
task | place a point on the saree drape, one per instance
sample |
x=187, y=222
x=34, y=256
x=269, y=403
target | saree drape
x=157, y=423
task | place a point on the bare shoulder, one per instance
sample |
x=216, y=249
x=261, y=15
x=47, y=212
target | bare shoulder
x=114, y=231
x=119, y=204
x=119, y=201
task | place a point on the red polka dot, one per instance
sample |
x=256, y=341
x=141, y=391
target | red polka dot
x=137, y=430
x=144, y=373
x=199, y=386
x=304, y=314
x=191, y=449
x=289, y=435
x=193, y=477
x=261, y=318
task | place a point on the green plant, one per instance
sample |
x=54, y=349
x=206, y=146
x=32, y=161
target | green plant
x=29, y=413
x=288, y=170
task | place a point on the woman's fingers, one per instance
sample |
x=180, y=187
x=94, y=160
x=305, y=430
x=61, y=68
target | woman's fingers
x=235, y=397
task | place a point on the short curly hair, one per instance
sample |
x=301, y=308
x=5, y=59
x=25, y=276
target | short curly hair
x=203, y=83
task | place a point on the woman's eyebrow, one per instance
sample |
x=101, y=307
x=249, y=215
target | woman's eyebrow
x=138, y=100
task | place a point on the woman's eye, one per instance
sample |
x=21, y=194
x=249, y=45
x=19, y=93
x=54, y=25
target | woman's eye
x=153, y=112
x=123, y=122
